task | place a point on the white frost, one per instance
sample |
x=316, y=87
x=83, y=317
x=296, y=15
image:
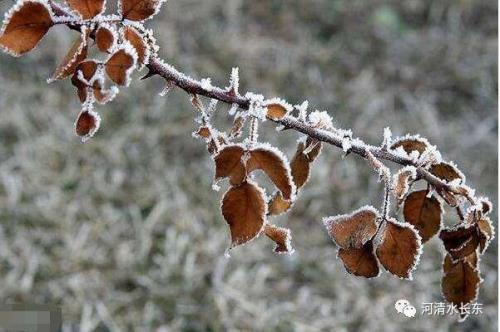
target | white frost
x=320, y=119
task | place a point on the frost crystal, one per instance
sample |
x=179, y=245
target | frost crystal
x=320, y=120
x=387, y=138
x=302, y=108
x=256, y=108
x=233, y=109
x=212, y=106
x=206, y=84
x=382, y=170
x=346, y=144
x=429, y=157
x=234, y=81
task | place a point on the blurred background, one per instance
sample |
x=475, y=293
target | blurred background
x=125, y=233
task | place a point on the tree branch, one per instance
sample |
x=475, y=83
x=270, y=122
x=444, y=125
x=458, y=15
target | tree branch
x=158, y=67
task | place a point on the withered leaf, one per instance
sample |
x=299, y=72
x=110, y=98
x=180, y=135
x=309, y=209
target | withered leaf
x=87, y=70
x=203, y=131
x=360, y=262
x=449, y=262
x=102, y=95
x=401, y=181
x=486, y=205
x=281, y=236
x=460, y=241
x=139, y=10
x=237, y=129
x=278, y=205
x=485, y=233
x=25, y=25
x=447, y=172
x=76, y=54
x=105, y=38
x=212, y=147
x=276, y=168
x=448, y=197
x=228, y=163
x=276, y=111
x=119, y=66
x=244, y=209
x=353, y=230
x=312, y=148
x=460, y=282
x=87, y=124
x=137, y=41
x=411, y=144
x=300, y=165
x=399, y=248
x=424, y=213
x=87, y=8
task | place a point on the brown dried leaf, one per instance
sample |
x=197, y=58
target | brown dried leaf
x=203, y=131
x=119, y=66
x=353, y=230
x=244, y=209
x=228, y=163
x=360, y=262
x=412, y=143
x=274, y=164
x=237, y=129
x=101, y=95
x=449, y=262
x=76, y=54
x=486, y=205
x=447, y=172
x=485, y=233
x=105, y=38
x=401, y=181
x=460, y=282
x=88, y=69
x=282, y=237
x=424, y=213
x=87, y=124
x=24, y=26
x=212, y=147
x=137, y=41
x=399, y=248
x=448, y=197
x=139, y=10
x=276, y=111
x=87, y=8
x=301, y=162
x=300, y=167
x=460, y=241
x=312, y=148
x=278, y=205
